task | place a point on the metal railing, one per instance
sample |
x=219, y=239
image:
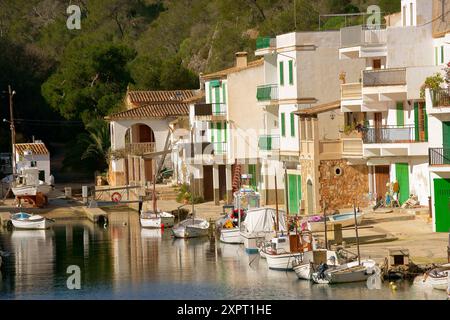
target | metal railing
x=140, y=148
x=384, y=77
x=363, y=35
x=441, y=98
x=220, y=148
x=269, y=142
x=210, y=109
x=391, y=134
x=351, y=91
x=263, y=42
x=267, y=92
x=439, y=156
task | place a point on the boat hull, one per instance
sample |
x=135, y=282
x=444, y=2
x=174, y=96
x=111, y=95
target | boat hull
x=282, y=262
x=252, y=241
x=345, y=273
x=21, y=191
x=190, y=229
x=41, y=224
x=303, y=271
x=232, y=236
x=154, y=223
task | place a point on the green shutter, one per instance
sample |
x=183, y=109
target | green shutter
x=442, y=55
x=252, y=171
x=294, y=192
x=425, y=122
x=214, y=83
x=446, y=142
x=416, y=121
x=281, y=73
x=291, y=72
x=436, y=58
x=212, y=132
x=283, y=125
x=224, y=93
x=225, y=131
x=217, y=108
x=441, y=204
x=400, y=114
x=210, y=93
x=292, y=125
x=402, y=175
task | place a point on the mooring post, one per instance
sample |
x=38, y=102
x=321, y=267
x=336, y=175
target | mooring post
x=448, y=247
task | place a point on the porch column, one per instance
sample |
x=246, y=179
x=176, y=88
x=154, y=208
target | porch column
x=371, y=188
x=216, y=184
x=229, y=179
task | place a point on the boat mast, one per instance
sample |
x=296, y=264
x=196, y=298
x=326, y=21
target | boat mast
x=276, y=204
x=192, y=197
x=356, y=231
x=325, y=222
x=286, y=195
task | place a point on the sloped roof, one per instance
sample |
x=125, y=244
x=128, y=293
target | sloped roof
x=35, y=148
x=319, y=108
x=139, y=98
x=161, y=110
x=224, y=73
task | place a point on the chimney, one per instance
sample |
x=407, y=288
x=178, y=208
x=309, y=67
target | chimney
x=241, y=59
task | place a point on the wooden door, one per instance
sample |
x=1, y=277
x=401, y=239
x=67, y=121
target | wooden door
x=378, y=122
x=222, y=182
x=148, y=167
x=146, y=134
x=208, y=185
x=376, y=64
x=381, y=179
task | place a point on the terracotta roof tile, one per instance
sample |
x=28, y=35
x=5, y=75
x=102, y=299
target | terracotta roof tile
x=160, y=110
x=139, y=98
x=35, y=148
x=223, y=73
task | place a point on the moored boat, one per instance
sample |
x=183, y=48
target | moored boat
x=191, y=228
x=344, y=219
x=28, y=184
x=27, y=221
x=437, y=278
x=346, y=273
x=310, y=261
x=157, y=220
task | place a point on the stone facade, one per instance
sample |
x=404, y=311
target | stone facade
x=341, y=183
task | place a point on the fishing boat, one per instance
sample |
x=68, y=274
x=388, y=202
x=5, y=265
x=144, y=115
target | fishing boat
x=437, y=278
x=28, y=183
x=311, y=260
x=356, y=271
x=191, y=228
x=344, y=219
x=156, y=219
x=159, y=220
x=28, y=221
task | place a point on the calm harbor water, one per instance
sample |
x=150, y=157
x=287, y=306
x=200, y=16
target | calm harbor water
x=124, y=262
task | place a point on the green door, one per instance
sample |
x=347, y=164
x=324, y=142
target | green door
x=253, y=181
x=441, y=204
x=295, y=193
x=446, y=142
x=402, y=175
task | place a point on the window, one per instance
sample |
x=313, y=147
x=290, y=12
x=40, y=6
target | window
x=292, y=125
x=281, y=73
x=202, y=133
x=436, y=57
x=283, y=125
x=291, y=72
x=400, y=114
x=224, y=93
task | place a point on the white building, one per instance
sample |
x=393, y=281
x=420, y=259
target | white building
x=438, y=110
x=387, y=99
x=33, y=155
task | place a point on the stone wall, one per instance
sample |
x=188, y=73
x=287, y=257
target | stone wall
x=339, y=191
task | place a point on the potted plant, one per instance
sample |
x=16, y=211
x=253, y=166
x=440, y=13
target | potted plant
x=434, y=84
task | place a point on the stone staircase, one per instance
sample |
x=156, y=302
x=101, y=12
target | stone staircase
x=166, y=193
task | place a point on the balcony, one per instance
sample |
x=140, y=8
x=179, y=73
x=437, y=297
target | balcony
x=264, y=45
x=199, y=148
x=384, y=77
x=210, y=111
x=267, y=92
x=140, y=148
x=269, y=142
x=394, y=141
x=384, y=85
x=441, y=98
x=362, y=42
x=439, y=156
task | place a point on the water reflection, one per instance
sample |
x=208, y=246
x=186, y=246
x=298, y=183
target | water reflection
x=125, y=261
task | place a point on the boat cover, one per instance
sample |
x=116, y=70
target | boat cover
x=264, y=220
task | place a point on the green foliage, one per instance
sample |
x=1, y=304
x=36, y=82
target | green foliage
x=390, y=6
x=433, y=83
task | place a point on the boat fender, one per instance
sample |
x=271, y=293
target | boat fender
x=162, y=225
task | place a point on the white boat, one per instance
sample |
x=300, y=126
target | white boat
x=27, y=221
x=232, y=236
x=191, y=228
x=259, y=226
x=344, y=219
x=437, y=278
x=346, y=273
x=159, y=220
x=310, y=260
x=28, y=184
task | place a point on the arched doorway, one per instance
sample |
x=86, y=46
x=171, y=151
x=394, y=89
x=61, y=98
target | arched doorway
x=139, y=139
x=310, y=196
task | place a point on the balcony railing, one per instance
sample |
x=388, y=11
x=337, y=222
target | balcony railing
x=351, y=91
x=210, y=109
x=352, y=146
x=220, y=148
x=441, y=98
x=140, y=148
x=263, y=42
x=267, y=92
x=384, y=77
x=391, y=134
x=269, y=142
x=439, y=156
x=362, y=35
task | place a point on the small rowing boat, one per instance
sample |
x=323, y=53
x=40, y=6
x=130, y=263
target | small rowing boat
x=28, y=221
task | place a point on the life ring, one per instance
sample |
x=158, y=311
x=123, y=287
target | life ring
x=116, y=197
